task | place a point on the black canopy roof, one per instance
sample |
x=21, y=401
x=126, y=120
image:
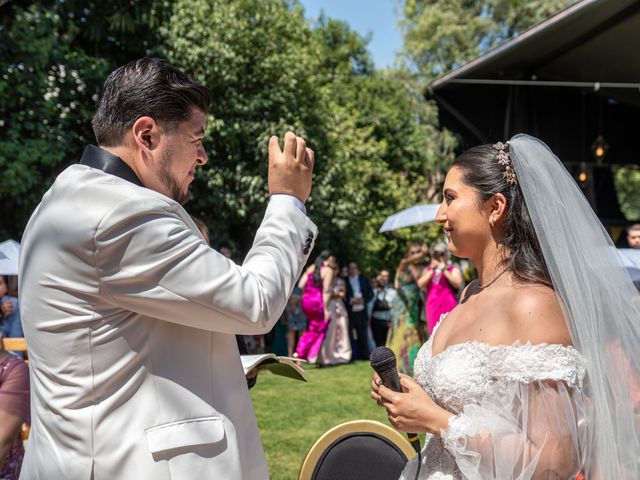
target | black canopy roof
x=567, y=80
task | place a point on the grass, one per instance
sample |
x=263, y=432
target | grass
x=292, y=415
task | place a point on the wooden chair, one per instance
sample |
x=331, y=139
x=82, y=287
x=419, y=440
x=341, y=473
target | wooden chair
x=18, y=344
x=359, y=449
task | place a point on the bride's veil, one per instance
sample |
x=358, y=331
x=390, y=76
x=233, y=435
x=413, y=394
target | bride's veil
x=600, y=304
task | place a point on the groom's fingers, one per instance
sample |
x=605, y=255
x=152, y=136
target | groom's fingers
x=310, y=159
x=290, y=170
x=289, y=144
x=274, y=149
x=301, y=150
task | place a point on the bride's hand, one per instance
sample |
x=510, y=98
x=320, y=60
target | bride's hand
x=412, y=410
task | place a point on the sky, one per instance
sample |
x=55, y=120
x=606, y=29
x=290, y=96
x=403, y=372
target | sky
x=364, y=16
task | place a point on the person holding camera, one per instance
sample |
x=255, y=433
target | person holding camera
x=384, y=295
x=442, y=280
x=405, y=337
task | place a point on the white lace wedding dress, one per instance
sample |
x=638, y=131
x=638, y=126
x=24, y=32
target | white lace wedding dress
x=519, y=412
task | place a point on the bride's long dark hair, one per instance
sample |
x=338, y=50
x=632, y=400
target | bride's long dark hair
x=482, y=171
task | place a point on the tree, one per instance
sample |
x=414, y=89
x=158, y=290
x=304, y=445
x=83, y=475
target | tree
x=627, y=182
x=440, y=35
x=54, y=57
x=270, y=70
x=378, y=145
x=254, y=57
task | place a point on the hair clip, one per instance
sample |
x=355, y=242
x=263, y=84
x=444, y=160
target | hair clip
x=505, y=161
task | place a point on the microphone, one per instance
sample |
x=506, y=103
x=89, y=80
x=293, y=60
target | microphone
x=383, y=361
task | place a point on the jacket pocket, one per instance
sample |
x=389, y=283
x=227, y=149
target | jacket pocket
x=185, y=433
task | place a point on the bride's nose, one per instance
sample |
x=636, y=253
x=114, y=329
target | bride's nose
x=441, y=214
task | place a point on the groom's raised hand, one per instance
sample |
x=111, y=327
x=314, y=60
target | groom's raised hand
x=291, y=168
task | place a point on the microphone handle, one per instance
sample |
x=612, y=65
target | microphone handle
x=391, y=380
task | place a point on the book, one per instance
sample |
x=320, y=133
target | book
x=284, y=366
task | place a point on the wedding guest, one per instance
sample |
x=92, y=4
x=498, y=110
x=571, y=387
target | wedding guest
x=532, y=375
x=441, y=280
x=14, y=411
x=10, y=323
x=373, y=283
x=344, y=271
x=384, y=296
x=296, y=320
x=336, y=348
x=359, y=293
x=276, y=339
x=404, y=337
x=633, y=235
x=316, y=285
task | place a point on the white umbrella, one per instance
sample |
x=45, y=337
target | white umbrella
x=411, y=216
x=9, y=253
x=630, y=257
x=631, y=260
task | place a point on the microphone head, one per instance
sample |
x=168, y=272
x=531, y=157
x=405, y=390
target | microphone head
x=382, y=356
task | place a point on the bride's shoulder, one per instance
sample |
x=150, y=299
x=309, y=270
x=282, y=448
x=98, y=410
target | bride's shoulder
x=536, y=314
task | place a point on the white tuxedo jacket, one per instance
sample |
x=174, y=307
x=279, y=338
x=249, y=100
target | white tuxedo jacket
x=129, y=317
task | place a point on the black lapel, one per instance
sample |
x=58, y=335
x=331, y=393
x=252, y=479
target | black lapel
x=96, y=157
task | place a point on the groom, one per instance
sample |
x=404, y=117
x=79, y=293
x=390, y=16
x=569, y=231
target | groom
x=130, y=316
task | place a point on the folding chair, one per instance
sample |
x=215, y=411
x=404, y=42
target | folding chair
x=359, y=449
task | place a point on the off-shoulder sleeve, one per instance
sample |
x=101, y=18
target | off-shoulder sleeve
x=533, y=424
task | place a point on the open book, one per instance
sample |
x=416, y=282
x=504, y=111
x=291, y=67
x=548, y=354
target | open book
x=284, y=366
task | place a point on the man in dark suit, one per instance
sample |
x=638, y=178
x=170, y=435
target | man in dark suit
x=359, y=293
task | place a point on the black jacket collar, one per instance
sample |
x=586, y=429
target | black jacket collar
x=96, y=157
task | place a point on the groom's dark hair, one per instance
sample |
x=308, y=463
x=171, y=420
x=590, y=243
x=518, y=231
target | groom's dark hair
x=145, y=87
x=483, y=172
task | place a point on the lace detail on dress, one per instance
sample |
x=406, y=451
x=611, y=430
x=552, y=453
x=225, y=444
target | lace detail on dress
x=462, y=375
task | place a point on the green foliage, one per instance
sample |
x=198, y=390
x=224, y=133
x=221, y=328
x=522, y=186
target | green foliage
x=385, y=156
x=443, y=34
x=255, y=59
x=378, y=149
x=627, y=182
x=377, y=142
x=54, y=57
x=46, y=93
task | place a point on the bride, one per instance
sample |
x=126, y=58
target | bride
x=535, y=374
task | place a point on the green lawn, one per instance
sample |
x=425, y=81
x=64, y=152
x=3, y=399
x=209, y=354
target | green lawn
x=292, y=415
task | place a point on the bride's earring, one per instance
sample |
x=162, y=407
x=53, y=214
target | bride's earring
x=492, y=222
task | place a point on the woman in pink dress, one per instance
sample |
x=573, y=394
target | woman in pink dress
x=442, y=281
x=316, y=284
